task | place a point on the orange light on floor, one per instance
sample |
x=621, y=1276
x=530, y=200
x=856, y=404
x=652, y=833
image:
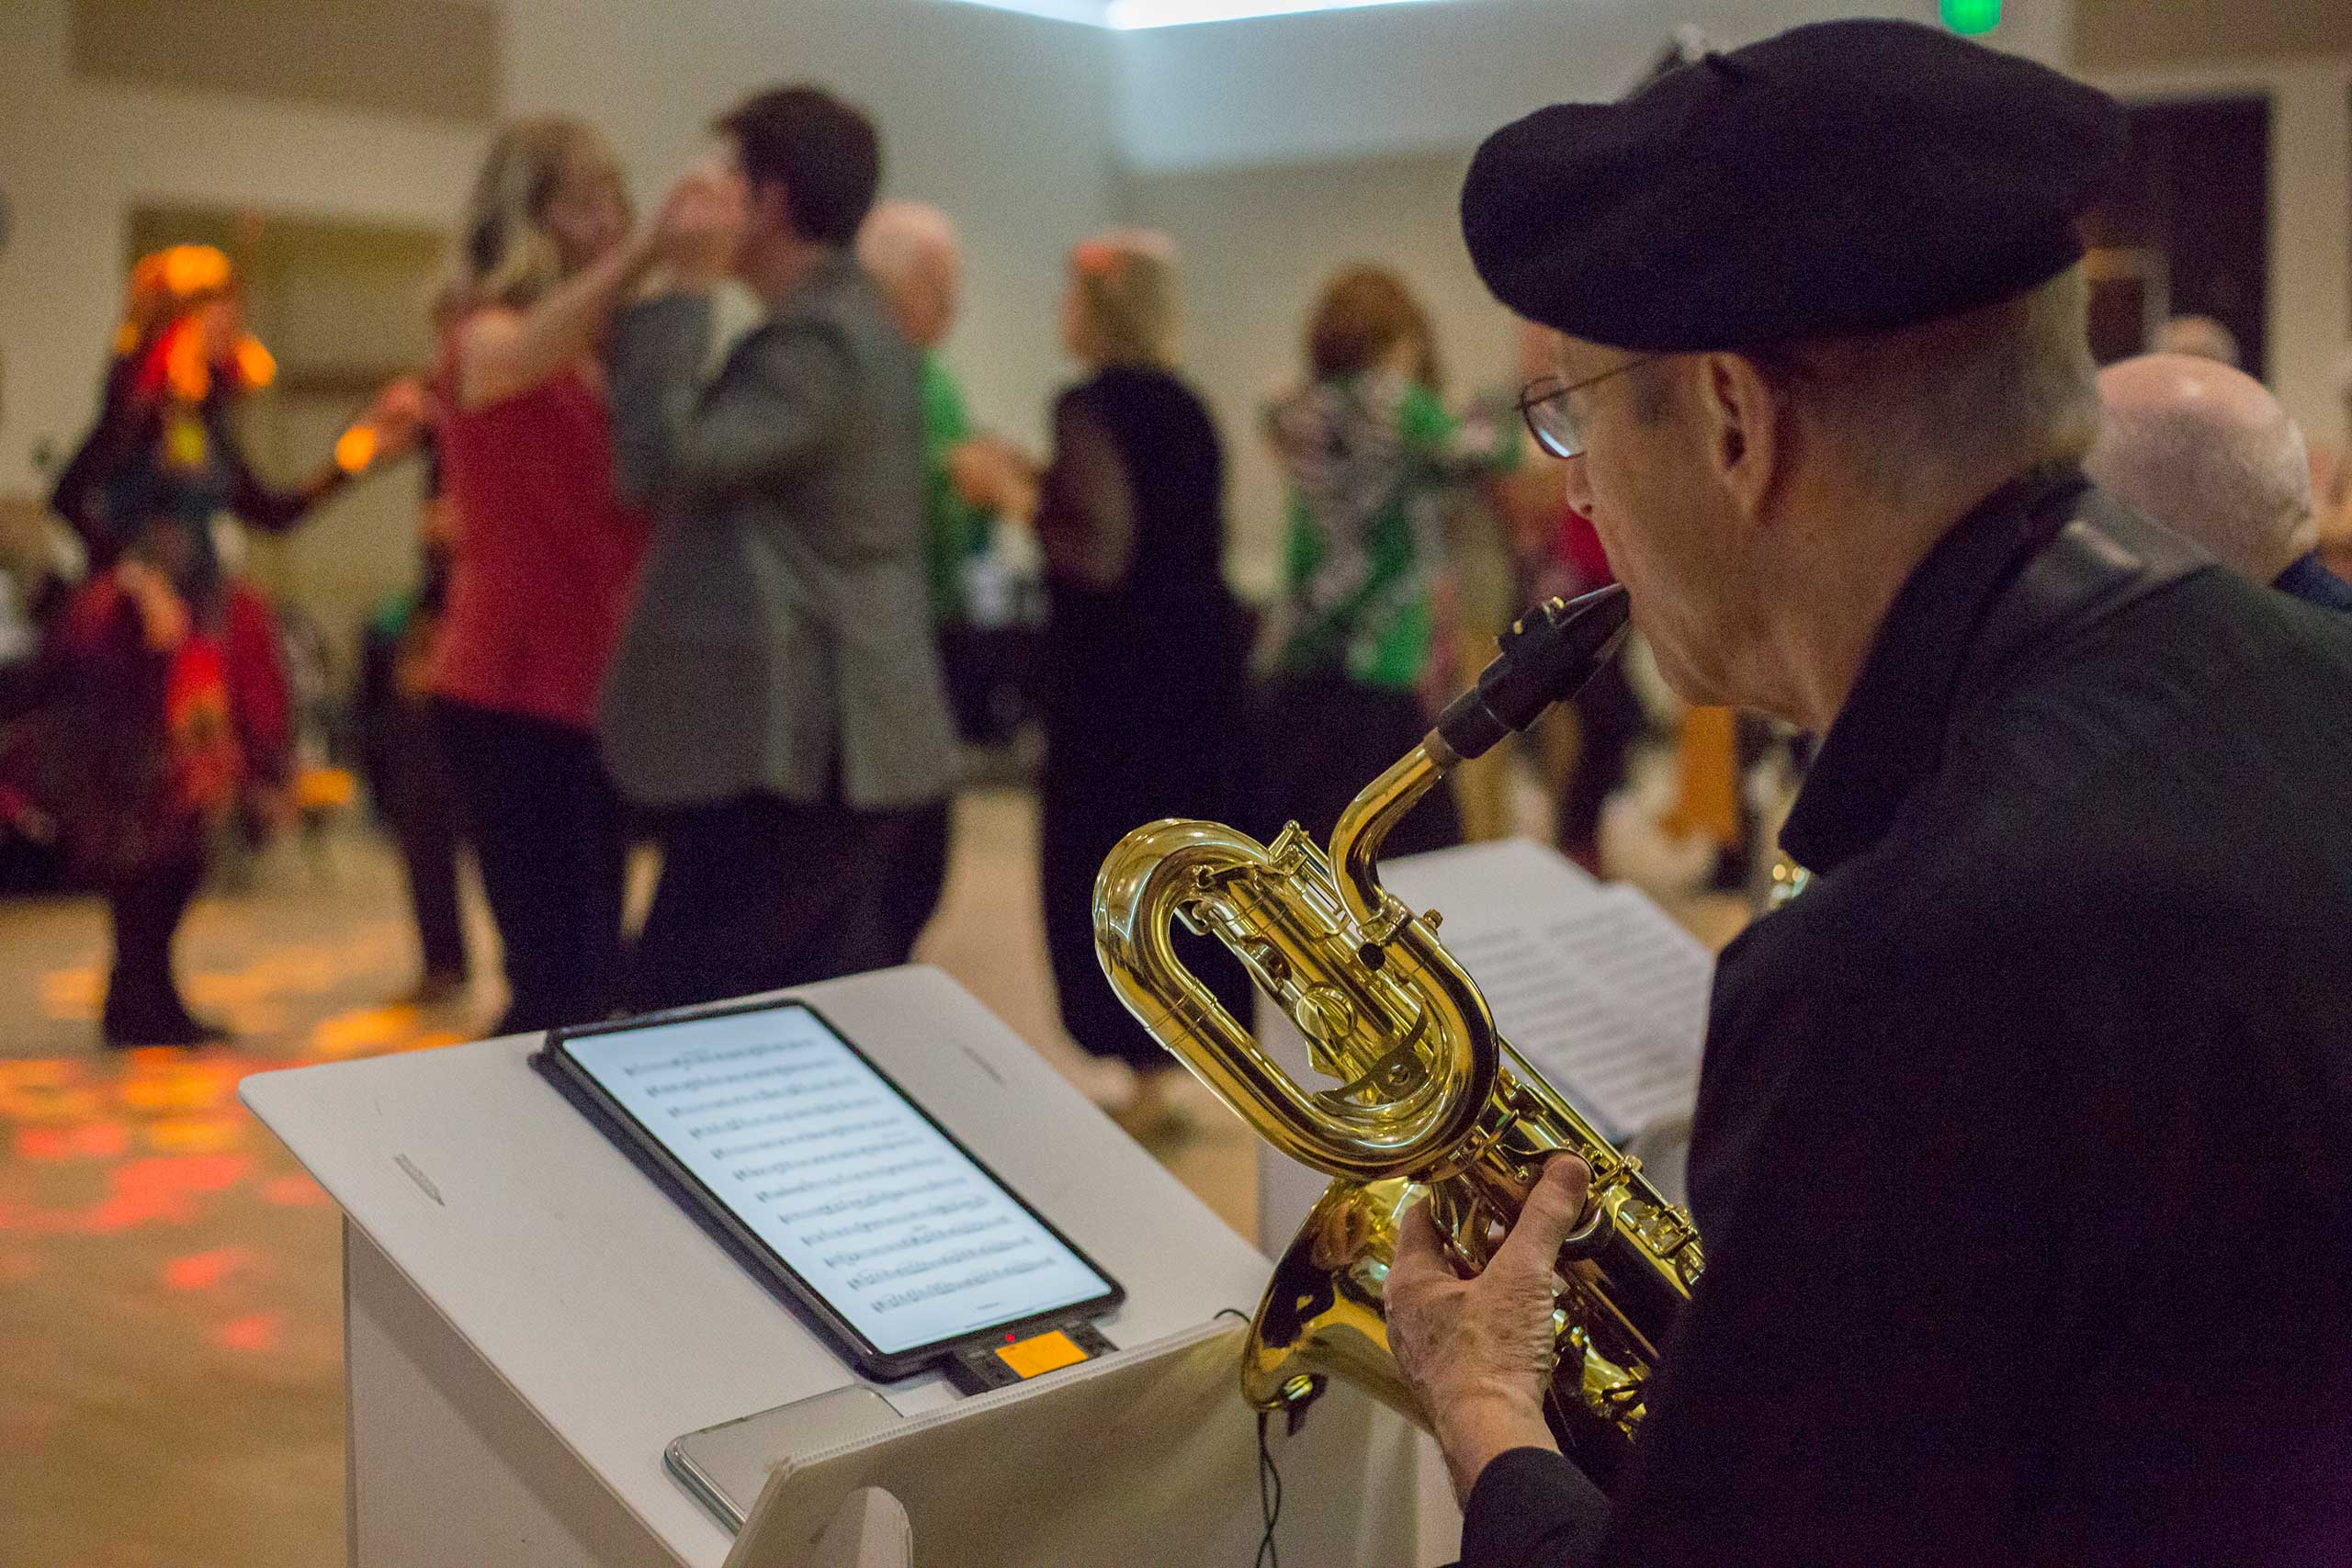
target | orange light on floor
x=366, y=1030
x=356, y=448
x=127, y=1211
x=45, y=1144
x=95, y=1140
x=202, y=1271
x=177, y=1085
x=186, y=1173
x=195, y=1134
x=294, y=1192
x=258, y=1331
x=192, y=1273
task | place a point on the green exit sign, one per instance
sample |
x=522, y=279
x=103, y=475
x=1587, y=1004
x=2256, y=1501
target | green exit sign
x=1972, y=17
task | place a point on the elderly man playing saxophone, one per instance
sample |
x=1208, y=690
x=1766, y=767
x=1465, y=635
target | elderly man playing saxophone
x=2023, y=1151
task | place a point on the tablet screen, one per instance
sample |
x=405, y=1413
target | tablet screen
x=880, y=1214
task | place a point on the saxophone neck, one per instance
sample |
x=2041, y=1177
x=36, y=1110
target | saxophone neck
x=1545, y=657
x=1364, y=826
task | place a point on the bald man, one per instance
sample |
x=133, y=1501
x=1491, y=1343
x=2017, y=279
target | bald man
x=912, y=253
x=2207, y=452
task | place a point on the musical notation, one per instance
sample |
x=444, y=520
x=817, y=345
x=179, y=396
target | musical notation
x=1593, y=984
x=866, y=1199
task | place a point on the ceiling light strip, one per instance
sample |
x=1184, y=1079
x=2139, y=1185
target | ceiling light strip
x=1131, y=15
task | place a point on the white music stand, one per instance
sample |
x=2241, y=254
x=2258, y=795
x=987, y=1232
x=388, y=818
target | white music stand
x=529, y=1321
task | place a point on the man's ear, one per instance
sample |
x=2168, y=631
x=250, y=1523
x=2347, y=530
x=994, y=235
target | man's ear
x=1747, y=430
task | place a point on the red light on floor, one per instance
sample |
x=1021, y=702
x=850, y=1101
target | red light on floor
x=125, y=1209
x=257, y=1332
x=183, y=1173
x=294, y=1192
x=95, y=1139
x=200, y=1271
x=45, y=1142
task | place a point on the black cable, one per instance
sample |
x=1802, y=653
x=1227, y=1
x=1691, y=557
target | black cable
x=1270, y=1502
x=1269, y=1480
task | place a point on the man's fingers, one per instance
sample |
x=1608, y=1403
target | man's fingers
x=1553, y=1209
x=1421, y=1251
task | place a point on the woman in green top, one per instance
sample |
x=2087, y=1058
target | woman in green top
x=1369, y=454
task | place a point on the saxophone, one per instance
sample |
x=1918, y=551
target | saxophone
x=1430, y=1098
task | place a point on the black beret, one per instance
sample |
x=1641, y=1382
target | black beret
x=1844, y=177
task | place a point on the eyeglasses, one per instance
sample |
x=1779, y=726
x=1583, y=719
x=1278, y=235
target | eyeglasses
x=1557, y=427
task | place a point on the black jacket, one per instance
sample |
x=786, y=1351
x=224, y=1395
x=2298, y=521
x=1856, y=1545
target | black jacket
x=2024, y=1143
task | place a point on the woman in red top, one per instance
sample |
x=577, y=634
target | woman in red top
x=546, y=555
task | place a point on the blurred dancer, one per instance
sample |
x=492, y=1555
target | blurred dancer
x=776, y=705
x=174, y=694
x=545, y=553
x=1146, y=648
x=1370, y=454
x=401, y=753
x=970, y=480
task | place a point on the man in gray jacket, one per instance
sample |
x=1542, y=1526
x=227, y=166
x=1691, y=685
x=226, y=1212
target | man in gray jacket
x=776, y=704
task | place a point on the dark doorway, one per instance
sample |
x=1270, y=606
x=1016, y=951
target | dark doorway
x=2193, y=205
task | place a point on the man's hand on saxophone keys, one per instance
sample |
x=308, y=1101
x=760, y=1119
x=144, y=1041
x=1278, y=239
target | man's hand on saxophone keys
x=1479, y=1352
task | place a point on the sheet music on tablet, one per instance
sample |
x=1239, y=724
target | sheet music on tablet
x=1594, y=984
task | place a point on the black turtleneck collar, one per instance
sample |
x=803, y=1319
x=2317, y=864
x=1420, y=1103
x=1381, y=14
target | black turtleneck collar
x=1889, y=735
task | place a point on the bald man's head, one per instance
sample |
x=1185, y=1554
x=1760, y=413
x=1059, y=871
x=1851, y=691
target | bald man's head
x=2205, y=451
x=912, y=251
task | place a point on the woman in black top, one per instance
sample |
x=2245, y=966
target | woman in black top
x=1146, y=648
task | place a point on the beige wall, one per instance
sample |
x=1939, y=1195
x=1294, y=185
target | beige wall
x=1003, y=118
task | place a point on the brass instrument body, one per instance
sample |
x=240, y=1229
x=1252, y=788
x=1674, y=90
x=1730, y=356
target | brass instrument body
x=1430, y=1098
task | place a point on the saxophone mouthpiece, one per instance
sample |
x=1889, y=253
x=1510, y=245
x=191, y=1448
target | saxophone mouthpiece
x=1547, y=656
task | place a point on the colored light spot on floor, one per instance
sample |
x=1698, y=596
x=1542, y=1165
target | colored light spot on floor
x=38, y=1072
x=127, y=1210
x=46, y=1143
x=295, y=1192
x=364, y=1031
x=183, y=1173
x=92, y=1140
x=197, y=1135
x=202, y=1271
x=180, y=1085
x=256, y=1332
x=48, y=1089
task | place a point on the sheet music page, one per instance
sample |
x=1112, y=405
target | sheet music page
x=1594, y=984
x=868, y=1202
